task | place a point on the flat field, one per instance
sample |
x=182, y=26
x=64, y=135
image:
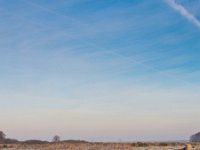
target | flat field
x=98, y=146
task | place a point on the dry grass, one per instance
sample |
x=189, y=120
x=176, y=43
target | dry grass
x=98, y=146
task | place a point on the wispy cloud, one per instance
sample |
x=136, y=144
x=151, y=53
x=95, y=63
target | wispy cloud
x=114, y=52
x=184, y=12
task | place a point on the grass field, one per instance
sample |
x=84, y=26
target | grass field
x=98, y=146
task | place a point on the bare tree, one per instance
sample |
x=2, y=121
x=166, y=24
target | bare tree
x=56, y=139
x=2, y=137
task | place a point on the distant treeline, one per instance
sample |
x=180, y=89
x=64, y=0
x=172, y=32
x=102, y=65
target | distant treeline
x=47, y=142
x=56, y=139
x=4, y=140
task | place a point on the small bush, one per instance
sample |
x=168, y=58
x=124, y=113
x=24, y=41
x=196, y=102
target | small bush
x=134, y=144
x=140, y=144
x=163, y=144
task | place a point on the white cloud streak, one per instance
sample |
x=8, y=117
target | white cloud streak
x=184, y=12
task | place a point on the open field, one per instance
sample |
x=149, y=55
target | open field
x=99, y=146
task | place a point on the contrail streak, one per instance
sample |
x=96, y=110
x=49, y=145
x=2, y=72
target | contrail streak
x=184, y=12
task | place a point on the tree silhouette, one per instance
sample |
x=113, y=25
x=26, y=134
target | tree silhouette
x=195, y=137
x=2, y=137
x=56, y=139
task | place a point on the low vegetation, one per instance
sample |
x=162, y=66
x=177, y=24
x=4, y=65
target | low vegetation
x=56, y=143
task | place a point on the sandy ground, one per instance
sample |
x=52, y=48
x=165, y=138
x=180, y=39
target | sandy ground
x=91, y=147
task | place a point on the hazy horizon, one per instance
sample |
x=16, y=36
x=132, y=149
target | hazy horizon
x=103, y=70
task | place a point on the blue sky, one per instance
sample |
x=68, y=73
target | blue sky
x=100, y=70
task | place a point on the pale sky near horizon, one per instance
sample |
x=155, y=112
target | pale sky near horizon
x=105, y=70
